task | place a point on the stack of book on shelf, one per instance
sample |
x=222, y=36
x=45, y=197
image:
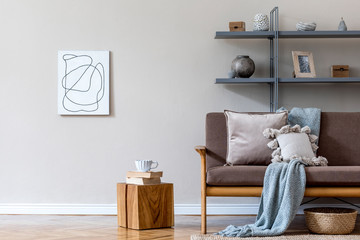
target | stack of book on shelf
x=143, y=178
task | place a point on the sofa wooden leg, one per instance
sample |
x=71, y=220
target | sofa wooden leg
x=203, y=213
x=202, y=151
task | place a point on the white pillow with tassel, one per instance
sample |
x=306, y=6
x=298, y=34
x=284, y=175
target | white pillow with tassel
x=294, y=142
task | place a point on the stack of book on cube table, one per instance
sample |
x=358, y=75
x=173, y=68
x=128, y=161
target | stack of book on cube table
x=143, y=178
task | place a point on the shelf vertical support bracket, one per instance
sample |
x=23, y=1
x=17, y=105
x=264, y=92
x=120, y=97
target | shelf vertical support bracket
x=274, y=59
x=271, y=40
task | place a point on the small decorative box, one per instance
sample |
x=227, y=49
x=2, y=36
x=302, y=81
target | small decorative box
x=237, y=26
x=340, y=71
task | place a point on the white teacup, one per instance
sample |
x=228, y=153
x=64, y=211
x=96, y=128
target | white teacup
x=145, y=165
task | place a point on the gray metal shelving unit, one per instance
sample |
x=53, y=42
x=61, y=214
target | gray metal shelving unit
x=273, y=36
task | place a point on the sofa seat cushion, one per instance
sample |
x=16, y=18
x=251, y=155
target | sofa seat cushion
x=253, y=176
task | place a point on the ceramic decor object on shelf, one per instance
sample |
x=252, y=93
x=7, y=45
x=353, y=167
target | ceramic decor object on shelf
x=231, y=74
x=243, y=66
x=261, y=22
x=342, y=25
x=301, y=26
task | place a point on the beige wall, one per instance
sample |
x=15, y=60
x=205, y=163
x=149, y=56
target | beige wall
x=164, y=61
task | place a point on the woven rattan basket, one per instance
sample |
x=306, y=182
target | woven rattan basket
x=330, y=220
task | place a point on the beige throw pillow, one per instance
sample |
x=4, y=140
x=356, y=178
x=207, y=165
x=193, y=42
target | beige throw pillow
x=246, y=144
x=295, y=144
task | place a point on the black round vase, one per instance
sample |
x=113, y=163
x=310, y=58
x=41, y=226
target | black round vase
x=243, y=66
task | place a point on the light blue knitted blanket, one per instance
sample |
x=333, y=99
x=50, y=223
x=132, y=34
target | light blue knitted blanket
x=284, y=187
x=304, y=117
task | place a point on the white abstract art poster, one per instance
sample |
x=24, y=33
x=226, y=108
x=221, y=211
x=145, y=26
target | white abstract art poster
x=83, y=82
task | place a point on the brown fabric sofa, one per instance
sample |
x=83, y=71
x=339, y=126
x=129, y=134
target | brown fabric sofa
x=339, y=142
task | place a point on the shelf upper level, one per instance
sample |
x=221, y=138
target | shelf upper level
x=287, y=80
x=287, y=34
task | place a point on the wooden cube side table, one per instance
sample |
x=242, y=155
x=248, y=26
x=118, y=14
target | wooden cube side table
x=145, y=206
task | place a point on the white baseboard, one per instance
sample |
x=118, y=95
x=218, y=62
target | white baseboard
x=110, y=209
x=68, y=209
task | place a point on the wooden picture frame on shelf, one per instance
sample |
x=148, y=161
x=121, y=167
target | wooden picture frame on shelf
x=303, y=64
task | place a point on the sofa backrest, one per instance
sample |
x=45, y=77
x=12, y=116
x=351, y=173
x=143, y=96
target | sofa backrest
x=339, y=138
x=215, y=137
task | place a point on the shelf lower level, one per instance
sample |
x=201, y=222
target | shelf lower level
x=320, y=80
x=287, y=80
x=244, y=80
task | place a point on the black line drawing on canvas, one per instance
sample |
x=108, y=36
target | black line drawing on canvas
x=83, y=83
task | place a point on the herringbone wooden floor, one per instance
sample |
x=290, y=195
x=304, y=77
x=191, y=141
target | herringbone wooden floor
x=54, y=227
